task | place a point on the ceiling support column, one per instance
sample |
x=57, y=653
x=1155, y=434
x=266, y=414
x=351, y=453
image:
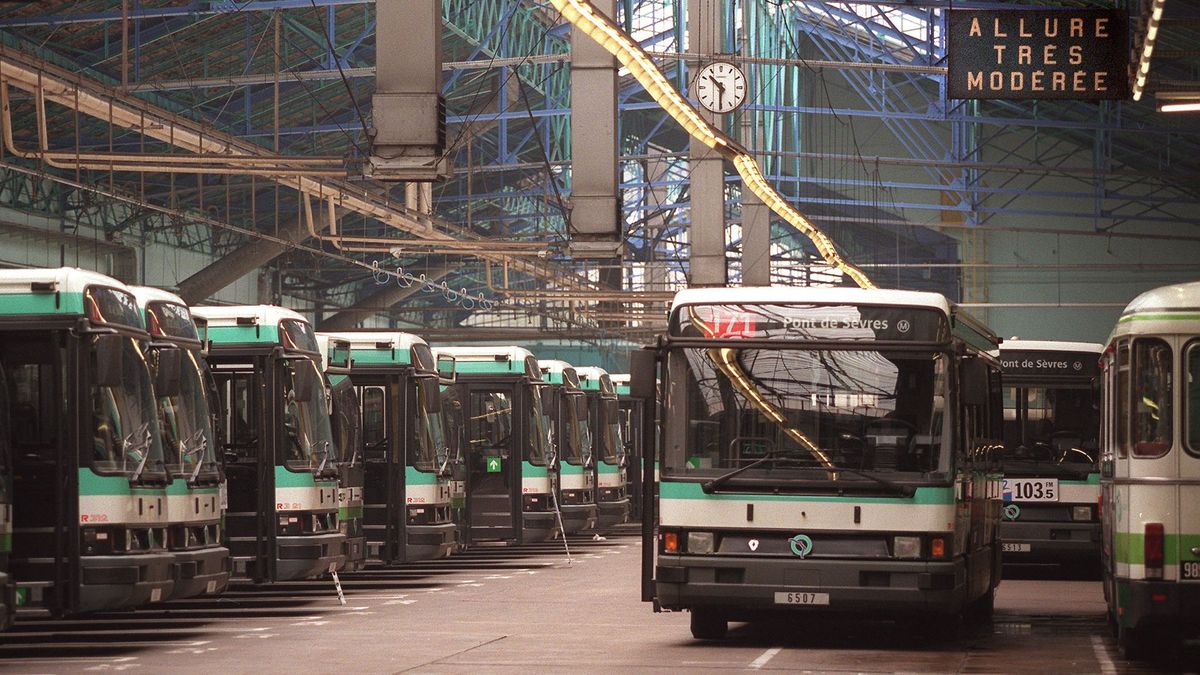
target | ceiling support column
x=706, y=233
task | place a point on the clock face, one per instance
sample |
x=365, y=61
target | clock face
x=720, y=87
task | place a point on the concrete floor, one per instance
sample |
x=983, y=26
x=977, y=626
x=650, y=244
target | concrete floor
x=520, y=611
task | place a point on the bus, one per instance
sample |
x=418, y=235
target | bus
x=631, y=433
x=1150, y=470
x=1051, y=457
x=571, y=444
x=824, y=450
x=345, y=421
x=612, y=486
x=186, y=404
x=280, y=460
x=8, y=589
x=505, y=444
x=405, y=451
x=89, y=482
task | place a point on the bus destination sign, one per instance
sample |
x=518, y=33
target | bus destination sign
x=1074, y=364
x=1038, y=54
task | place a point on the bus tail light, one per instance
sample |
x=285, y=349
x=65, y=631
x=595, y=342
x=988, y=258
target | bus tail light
x=670, y=542
x=937, y=547
x=1153, y=550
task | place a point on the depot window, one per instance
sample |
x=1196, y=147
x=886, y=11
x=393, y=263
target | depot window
x=1150, y=398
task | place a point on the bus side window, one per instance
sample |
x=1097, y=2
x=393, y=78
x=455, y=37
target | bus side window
x=1151, y=403
x=1191, y=410
x=374, y=421
x=237, y=404
x=1121, y=396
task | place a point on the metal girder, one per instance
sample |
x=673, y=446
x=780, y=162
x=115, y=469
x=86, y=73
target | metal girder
x=380, y=301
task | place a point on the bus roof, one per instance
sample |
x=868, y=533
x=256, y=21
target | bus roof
x=67, y=283
x=592, y=378
x=1169, y=309
x=1017, y=344
x=557, y=371
x=487, y=360
x=378, y=347
x=148, y=294
x=800, y=295
x=249, y=324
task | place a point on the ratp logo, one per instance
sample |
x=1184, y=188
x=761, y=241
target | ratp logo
x=801, y=545
x=1012, y=512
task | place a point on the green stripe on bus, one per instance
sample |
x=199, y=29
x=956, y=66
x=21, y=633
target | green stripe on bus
x=489, y=367
x=1160, y=316
x=236, y=335
x=284, y=477
x=1130, y=547
x=1092, y=479
x=923, y=495
x=401, y=357
x=94, y=485
x=570, y=469
x=6, y=542
x=606, y=468
x=350, y=512
x=415, y=476
x=19, y=304
x=531, y=470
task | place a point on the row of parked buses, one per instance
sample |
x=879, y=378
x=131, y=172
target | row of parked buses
x=878, y=452
x=149, y=450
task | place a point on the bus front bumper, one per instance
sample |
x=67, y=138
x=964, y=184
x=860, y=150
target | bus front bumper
x=578, y=517
x=614, y=512
x=119, y=581
x=200, y=572
x=426, y=542
x=537, y=526
x=309, y=556
x=1162, y=605
x=355, y=550
x=743, y=586
x=1047, y=542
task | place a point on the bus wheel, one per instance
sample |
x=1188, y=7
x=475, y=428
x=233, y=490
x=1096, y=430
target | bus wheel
x=982, y=609
x=708, y=624
x=1133, y=644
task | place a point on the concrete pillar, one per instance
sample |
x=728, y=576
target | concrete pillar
x=707, y=191
x=756, y=217
x=595, y=205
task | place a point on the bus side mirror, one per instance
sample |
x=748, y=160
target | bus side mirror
x=974, y=382
x=433, y=395
x=109, y=366
x=302, y=386
x=643, y=372
x=168, y=376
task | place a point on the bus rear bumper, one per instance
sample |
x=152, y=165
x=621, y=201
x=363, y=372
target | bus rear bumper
x=744, y=587
x=1041, y=542
x=613, y=513
x=306, y=557
x=426, y=542
x=200, y=572
x=1165, y=606
x=578, y=517
x=120, y=581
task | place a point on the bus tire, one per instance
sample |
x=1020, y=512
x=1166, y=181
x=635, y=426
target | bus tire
x=1132, y=644
x=983, y=608
x=708, y=624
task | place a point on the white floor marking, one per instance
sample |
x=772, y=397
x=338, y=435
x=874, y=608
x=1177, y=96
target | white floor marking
x=1102, y=657
x=399, y=602
x=766, y=656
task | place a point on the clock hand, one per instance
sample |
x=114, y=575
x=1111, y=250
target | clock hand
x=720, y=89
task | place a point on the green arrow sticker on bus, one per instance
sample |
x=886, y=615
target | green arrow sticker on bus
x=493, y=465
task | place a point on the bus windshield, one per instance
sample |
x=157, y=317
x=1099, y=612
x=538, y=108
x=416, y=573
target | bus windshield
x=1050, y=425
x=573, y=422
x=814, y=411
x=188, y=438
x=431, y=436
x=347, y=422
x=125, y=434
x=608, y=430
x=538, y=436
x=310, y=444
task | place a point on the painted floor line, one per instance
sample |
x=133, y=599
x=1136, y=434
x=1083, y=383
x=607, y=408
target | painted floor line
x=765, y=658
x=1102, y=657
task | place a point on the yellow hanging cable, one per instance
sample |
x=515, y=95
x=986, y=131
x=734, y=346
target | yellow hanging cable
x=582, y=15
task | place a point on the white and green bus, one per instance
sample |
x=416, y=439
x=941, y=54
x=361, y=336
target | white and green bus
x=604, y=416
x=281, y=463
x=571, y=445
x=88, y=479
x=1051, y=457
x=1150, y=470
x=505, y=444
x=8, y=589
x=824, y=450
x=345, y=419
x=405, y=450
x=187, y=421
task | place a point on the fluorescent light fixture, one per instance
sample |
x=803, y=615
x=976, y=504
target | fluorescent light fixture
x=1143, y=70
x=1182, y=106
x=595, y=25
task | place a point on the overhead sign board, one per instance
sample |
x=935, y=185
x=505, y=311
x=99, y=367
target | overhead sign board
x=1073, y=364
x=1038, y=54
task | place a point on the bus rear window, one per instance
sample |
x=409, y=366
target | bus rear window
x=1192, y=407
x=1151, y=394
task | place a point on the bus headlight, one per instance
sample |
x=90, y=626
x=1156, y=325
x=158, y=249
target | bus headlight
x=906, y=547
x=1081, y=513
x=700, y=542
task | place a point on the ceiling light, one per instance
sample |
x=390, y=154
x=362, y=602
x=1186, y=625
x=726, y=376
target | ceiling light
x=1182, y=106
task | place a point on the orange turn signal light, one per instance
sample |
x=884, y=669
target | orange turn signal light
x=670, y=542
x=937, y=547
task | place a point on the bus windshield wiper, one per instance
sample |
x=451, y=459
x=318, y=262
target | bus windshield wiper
x=142, y=446
x=325, y=460
x=710, y=485
x=197, y=450
x=904, y=490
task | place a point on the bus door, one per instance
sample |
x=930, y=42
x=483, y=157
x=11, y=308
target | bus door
x=249, y=470
x=45, y=482
x=1189, y=470
x=383, y=454
x=493, y=463
x=631, y=434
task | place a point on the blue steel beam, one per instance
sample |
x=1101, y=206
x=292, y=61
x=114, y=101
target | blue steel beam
x=193, y=9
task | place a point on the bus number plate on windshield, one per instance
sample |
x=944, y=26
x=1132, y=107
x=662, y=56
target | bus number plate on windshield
x=1031, y=489
x=800, y=598
x=1189, y=570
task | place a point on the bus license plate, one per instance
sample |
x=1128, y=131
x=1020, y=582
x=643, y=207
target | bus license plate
x=801, y=598
x=1189, y=569
x=1014, y=548
x=1031, y=489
